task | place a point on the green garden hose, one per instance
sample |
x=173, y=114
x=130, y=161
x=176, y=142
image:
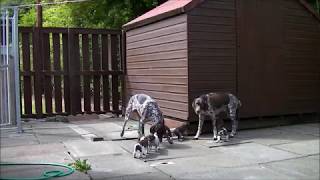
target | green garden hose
x=45, y=174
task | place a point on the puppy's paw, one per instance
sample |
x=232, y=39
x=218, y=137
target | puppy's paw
x=181, y=139
x=215, y=138
x=232, y=134
x=195, y=138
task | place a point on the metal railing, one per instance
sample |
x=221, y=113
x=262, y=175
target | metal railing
x=9, y=69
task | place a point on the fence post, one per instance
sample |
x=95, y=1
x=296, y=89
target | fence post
x=38, y=66
x=124, y=72
x=74, y=72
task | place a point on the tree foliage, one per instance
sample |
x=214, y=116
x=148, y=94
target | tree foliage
x=89, y=14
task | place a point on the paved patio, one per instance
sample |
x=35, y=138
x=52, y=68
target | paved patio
x=285, y=152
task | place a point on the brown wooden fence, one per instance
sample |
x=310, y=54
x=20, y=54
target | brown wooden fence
x=70, y=71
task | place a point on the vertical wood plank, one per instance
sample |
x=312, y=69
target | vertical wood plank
x=47, y=75
x=38, y=65
x=86, y=78
x=74, y=70
x=123, y=69
x=66, y=85
x=105, y=67
x=96, y=67
x=27, y=90
x=114, y=65
x=57, y=78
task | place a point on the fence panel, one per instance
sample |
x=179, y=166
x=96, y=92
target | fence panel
x=27, y=88
x=70, y=72
x=57, y=73
x=96, y=67
x=115, y=67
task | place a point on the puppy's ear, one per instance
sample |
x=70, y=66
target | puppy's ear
x=194, y=103
x=152, y=129
x=204, y=102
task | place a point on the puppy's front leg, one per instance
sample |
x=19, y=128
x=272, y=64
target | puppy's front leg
x=141, y=129
x=201, y=120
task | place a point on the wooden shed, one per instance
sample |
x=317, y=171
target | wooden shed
x=267, y=52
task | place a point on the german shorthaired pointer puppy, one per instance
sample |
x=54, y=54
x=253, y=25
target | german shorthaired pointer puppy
x=211, y=105
x=161, y=131
x=145, y=144
x=146, y=109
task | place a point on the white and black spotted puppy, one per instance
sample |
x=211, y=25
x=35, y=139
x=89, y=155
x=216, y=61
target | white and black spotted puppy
x=145, y=144
x=212, y=104
x=223, y=135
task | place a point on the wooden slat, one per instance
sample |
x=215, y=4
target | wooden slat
x=74, y=77
x=38, y=79
x=159, y=87
x=159, y=56
x=177, y=45
x=214, y=20
x=105, y=78
x=66, y=84
x=86, y=78
x=158, y=79
x=158, y=25
x=96, y=66
x=159, y=72
x=176, y=28
x=158, y=40
x=210, y=12
x=115, y=79
x=57, y=66
x=27, y=89
x=47, y=78
x=161, y=95
x=159, y=64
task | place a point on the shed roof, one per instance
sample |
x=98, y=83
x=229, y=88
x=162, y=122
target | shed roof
x=165, y=10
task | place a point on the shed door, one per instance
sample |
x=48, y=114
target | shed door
x=261, y=83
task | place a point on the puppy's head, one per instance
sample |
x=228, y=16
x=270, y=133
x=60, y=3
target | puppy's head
x=158, y=129
x=200, y=104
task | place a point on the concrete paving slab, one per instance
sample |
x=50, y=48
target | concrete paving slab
x=144, y=176
x=309, y=129
x=46, y=125
x=107, y=166
x=15, y=139
x=257, y=133
x=133, y=134
x=103, y=127
x=300, y=168
x=206, y=140
x=315, y=156
x=84, y=148
x=309, y=147
x=256, y=153
x=31, y=171
x=239, y=173
x=170, y=151
x=55, y=153
x=282, y=138
x=52, y=135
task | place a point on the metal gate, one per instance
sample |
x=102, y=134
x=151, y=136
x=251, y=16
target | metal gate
x=9, y=69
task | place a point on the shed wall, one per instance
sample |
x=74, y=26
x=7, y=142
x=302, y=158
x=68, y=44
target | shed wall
x=157, y=64
x=301, y=58
x=278, y=69
x=212, y=49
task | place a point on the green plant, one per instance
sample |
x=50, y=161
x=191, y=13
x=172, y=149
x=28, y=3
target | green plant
x=81, y=165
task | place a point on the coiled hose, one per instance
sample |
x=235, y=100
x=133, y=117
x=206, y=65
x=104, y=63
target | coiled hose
x=45, y=175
